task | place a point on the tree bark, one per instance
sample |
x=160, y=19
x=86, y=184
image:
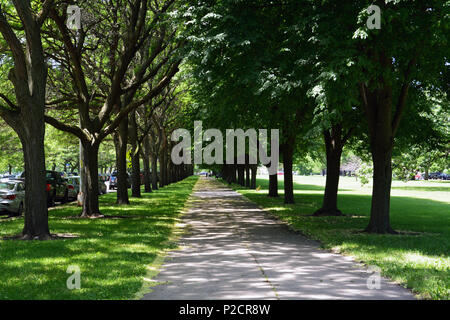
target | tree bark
x=146, y=160
x=135, y=159
x=36, y=213
x=381, y=192
x=288, y=154
x=233, y=169
x=163, y=167
x=121, y=141
x=241, y=175
x=247, y=175
x=154, y=160
x=382, y=130
x=90, y=185
x=273, y=186
x=29, y=78
x=254, y=169
x=333, y=147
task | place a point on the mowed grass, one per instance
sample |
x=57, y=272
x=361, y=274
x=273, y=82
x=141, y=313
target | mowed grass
x=114, y=255
x=418, y=258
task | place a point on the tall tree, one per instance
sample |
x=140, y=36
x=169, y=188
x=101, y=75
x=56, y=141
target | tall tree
x=20, y=27
x=409, y=51
x=101, y=60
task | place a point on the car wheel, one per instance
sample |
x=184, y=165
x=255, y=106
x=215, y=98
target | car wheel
x=20, y=210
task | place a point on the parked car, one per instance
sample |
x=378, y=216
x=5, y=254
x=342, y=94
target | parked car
x=9, y=176
x=73, y=187
x=12, y=196
x=55, y=187
x=113, y=181
x=438, y=176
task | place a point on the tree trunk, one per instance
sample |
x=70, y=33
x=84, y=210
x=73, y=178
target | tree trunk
x=121, y=141
x=254, y=169
x=247, y=175
x=273, y=186
x=427, y=173
x=379, y=117
x=241, y=175
x=233, y=169
x=36, y=213
x=381, y=193
x=29, y=78
x=288, y=154
x=90, y=182
x=146, y=160
x=154, y=172
x=135, y=159
x=162, y=167
x=169, y=171
x=333, y=146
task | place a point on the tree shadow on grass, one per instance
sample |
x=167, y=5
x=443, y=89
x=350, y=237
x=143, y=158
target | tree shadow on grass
x=111, y=253
x=419, y=256
x=422, y=219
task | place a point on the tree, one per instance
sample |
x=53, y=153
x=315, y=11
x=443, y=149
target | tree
x=20, y=26
x=101, y=61
x=410, y=51
x=252, y=59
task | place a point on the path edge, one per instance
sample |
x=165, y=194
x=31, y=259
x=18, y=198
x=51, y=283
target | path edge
x=154, y=268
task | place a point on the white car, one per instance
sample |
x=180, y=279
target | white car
x=12, y=196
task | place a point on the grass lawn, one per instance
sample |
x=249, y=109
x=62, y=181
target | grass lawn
x=114, y=255
x=419, y=260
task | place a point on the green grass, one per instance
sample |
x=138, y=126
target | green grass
x=114, y=255
x=418, y=260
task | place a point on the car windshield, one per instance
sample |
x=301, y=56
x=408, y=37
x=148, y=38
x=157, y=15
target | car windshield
x=6, y=186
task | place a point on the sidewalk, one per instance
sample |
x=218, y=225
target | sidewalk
x=234, y=250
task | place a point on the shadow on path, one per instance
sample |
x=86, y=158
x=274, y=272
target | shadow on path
x=235, y=250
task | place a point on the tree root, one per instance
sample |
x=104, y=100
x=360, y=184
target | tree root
x=322, y=212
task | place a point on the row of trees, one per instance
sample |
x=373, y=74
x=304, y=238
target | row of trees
x=92, y=83
x=316, y=69
x=311, y=69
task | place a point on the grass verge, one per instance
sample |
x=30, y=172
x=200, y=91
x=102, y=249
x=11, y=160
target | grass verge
x=114, y=255
x=419, y=259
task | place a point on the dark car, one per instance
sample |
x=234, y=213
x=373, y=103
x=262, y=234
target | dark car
x=55, y=187
x=438, y=176
x=113, y=181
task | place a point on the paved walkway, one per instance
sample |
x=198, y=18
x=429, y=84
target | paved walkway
x=234, y=250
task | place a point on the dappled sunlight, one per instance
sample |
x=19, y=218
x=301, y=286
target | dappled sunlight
x=111, y=253
x=418, y=257
x=245, y=251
